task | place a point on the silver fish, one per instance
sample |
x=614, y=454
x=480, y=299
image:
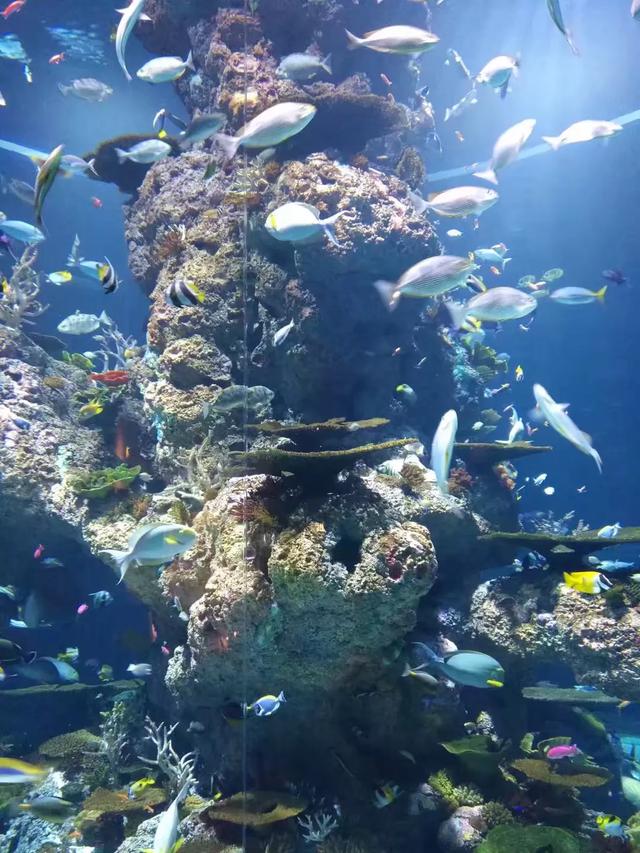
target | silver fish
x=303, y=66
x=556, y=16
x=87, y=89
x=494, y=306
x=270, y=127
x=468, y=100
x=396, y=39
x=507, y=148
x=430, y=277
x=130, y=17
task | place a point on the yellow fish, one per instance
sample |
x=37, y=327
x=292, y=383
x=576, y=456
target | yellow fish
x=519, y=373
x=13, y=771
x=590, y=582
x=95, y=407
x=137, y=787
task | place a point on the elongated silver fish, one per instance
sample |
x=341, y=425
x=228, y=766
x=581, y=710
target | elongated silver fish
x=130, y=17
x=430, y=277
x=555, y=414
x=556, y=16
x=507, y=148
x=46, y=176
x=494, y=306
x=397, y=39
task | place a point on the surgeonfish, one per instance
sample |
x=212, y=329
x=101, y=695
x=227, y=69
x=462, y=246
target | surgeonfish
x=556, y=16
x=296, y=221
x=51, y=809
x=266, y=705
x=148, y=151
x=47, y=174
x=497, y=73
x=47, y=670
x=16, y=772
x=165, y=69
x=87, y=89
x=609, y=531
x=494, y=255
x=583, y=131
x=493, y=306
x=458, y=201
x=164, y=840
x=589, y=582
x=431, y=277
x=11, y=652
x=23, y=232
x=395, y=39
x=577, y=295
x=201, y=128
x=442, y=449
x=468, y=100
x=556, y=416
x=472, y=669
x=268, y=128
x=130, y=17
x=153, y=544
x=507, y=148
x=303, y=66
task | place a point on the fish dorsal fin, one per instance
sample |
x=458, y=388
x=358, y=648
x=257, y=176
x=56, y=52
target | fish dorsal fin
x=564, y=406
x=587, y=437
x=310, y=208
x=141, y=532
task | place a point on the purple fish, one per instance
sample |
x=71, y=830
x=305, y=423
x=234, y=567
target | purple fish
x=615, y=276
x=556, y=752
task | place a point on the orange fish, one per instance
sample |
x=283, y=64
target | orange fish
x=12, y=8
x=495, y=270
x=111, y=377
x=57, y=58
x=386, y=80
x=96, y=202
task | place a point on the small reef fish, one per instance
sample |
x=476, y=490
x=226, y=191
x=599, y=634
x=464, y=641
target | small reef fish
x=591, y=583
x=407, y=393
x=82, y=609
x=80, y=324
x=423, y=677
x=468, y=100
x=201, y=128
x=105, y=673
x=518, y=373
x=477, y=426
x=454, y=232
x=507, y=148
x=37, y=554
x=11, y=652
x=303, y=66
x=140, y=670
x=102, y=598
x=91, y=409
x=282, y=334
x=165, y=69
x=494, y=306
x=266, y=705
x=23, y=191
x=583, y=131
x=57, y=58
x=113, y=378
x=297, y=221
x=494, y=255
x=457, y=202
x=552, y=274
x=87, y=89
x=430, y=277
x=140, y=785
x=130, y=17
x=385, y=795
x=442, y=448
x=153, y=544
x=497, y=73
x=52, y=563
x=549, y=491
x=51, y=809
x=148, y=151
x=96, y=202
x=59, y=278
x=270, y=127
x=401, y=39
x=23, y=232
x=615, y=276
x=12, y=8
x=16, y=772
x=69, y=655
x=577, y=295
x=556, y=416
x=47, y=174
x=609, y=531
x=183, y=294
x=4, y=676
x=611, y=825
x=164, y=840
x=472, y=669
x=554, y=753
x=556, y=16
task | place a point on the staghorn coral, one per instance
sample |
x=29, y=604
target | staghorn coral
x=177, y=768
x=19, y=303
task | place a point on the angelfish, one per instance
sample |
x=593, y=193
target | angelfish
x=130, y=17
x=46, y=176
x=442, y=448
x=556, y=416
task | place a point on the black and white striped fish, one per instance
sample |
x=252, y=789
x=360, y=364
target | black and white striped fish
x=108, y=277
x=182, y=294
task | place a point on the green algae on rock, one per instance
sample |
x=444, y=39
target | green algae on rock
x=529, y=839
x=541, y=770
x=256, y=808
x=96, y=485
x=69, y=748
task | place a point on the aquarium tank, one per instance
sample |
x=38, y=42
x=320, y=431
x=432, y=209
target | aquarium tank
x=319, y=427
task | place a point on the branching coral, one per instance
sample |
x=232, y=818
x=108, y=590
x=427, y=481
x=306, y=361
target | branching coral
x=318, y=826
x=178, y=769
x=455, y=796
x=114, y=735
x=113, y=345
x=19, y=303
x=495, y=814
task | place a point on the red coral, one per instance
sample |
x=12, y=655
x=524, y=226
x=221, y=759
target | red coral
x=460, y=482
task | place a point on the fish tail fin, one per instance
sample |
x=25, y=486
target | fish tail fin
x=553, y=141
x=281, y=697
x=64, y=90
x=572, y=44
x=487, y=175
x=229, y=144
x=406, y=671
x=354, y=41
x=121, y=155
x=568, y=579
x=92, y=167
x=30, y=657
x=328, y=224
x=457, y=312
x=189, y=61
x=431, y=656
x=505, y=261
x=596, y=458
x=386, y=289
x=447, y=114
x=326, y=64
x=122, y=559
x=600, y=294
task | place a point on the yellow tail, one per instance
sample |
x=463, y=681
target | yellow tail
x=600, y=294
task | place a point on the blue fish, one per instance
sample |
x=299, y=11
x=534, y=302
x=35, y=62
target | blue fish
x=266, y=705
